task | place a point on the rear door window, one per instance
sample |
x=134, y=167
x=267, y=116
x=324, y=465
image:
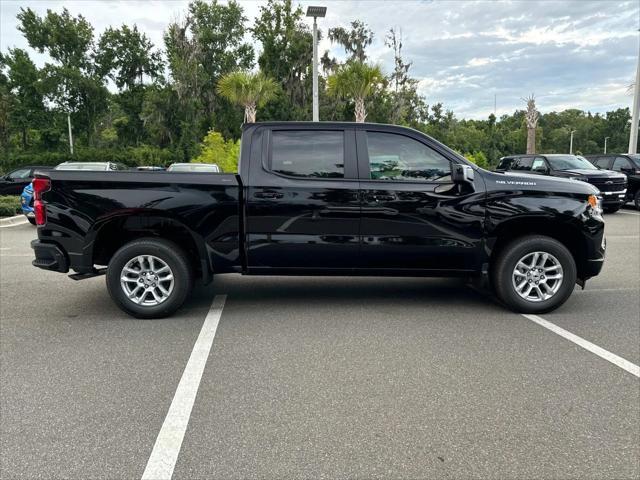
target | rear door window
x=620, y=163
x=602, y=162
x=308, y=153
x=522, y=163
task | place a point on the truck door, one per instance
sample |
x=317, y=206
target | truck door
x=303, y=208
x=413, y=216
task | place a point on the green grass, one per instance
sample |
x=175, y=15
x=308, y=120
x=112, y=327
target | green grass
x=9, y=205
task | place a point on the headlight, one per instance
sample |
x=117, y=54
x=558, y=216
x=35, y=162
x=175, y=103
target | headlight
x=581, y=179
x=595, y=202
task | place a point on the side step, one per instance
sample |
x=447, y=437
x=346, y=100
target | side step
x=95, y=273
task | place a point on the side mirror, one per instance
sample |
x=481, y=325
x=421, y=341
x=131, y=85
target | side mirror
x=462, y=174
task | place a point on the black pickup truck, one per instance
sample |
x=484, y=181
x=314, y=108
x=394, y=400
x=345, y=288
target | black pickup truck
x=322, y=199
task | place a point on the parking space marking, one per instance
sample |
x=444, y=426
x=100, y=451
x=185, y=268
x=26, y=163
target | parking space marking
x=165, y=452
x=629, y=213
x=632, y=368
x=14, y=224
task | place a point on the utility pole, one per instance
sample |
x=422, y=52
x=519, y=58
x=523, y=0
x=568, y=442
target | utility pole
x=605, y=143
x=571, y=143
x=633, y=136
x=70, y=135
x=316, y=12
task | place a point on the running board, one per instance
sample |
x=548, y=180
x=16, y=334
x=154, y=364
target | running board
x=94, y=273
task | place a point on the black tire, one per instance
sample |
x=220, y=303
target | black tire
x=611, y=209
x=32, y=220
x=636, y=200
x=168, y=252
x=505, y=263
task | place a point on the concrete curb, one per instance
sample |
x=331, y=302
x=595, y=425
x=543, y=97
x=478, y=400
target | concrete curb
x=12, y=221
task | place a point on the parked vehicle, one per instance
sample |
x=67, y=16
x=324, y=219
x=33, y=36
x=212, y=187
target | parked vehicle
x=194, y=167
x=92, y=166
x=612, y=185
x=150, y=168
x=14, y=182
x=26, y=197
x=627, y=164
x=318, y=199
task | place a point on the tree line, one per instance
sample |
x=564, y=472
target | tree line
x=126, y=99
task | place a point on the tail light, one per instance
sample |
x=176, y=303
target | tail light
x=40, y=185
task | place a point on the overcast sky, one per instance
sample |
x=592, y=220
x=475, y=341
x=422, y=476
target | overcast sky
x=570, y=54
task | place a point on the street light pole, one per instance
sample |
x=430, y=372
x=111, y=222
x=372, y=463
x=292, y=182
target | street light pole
x=316, y=12
x=316, y=106
x=633, y=136
x=571, y=143
x=605, y=143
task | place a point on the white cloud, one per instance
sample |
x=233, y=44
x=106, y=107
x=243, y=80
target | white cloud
x=569, y=53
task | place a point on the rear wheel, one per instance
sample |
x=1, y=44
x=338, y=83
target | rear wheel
x=149, y=278
x=32, y=220
x=534, y=274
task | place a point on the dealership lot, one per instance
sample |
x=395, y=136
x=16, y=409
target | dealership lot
x=322, y=377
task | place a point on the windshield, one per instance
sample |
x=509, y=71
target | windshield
x=570, y=162
x=186, y=167
x=635, y=158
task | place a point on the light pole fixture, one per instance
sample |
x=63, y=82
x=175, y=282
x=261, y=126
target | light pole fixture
x=315, y=12
x=571, y=143
x=605, y=143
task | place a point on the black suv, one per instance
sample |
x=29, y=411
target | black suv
x=612, y=185
x=627, y=164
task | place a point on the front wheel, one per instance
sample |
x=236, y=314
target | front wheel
x=149, y=278
x=534, y=274
x=636, y=200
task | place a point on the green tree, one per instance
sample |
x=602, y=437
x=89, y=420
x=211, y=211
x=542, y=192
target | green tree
x=201, y=49
x=127, y=57
x=27, y=110
x=250, y=90
x=73, y=83
x=408, y=108
x=286, y=56
x=356, y=81
x=354, y=40
x=215, y=149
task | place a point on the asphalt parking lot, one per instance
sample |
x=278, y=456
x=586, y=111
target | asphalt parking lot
x=321, y=377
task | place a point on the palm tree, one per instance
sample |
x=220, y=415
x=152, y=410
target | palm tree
x=531, y=116
x=356, y=81
x=251, y=90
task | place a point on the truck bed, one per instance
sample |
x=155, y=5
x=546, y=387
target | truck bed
x=90, y=209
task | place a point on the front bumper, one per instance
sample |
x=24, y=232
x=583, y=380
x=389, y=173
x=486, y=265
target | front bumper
x=613, y=198
x=49, y=257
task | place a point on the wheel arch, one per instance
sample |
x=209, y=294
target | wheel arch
x=564, y=232
x=110, y=234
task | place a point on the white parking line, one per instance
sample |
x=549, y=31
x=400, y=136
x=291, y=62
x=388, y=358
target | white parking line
x=167, y=447
x=14, y=224
x=629, y=213
x=632, y=368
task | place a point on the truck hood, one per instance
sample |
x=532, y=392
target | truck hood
x=541, y=183
x=589, y=174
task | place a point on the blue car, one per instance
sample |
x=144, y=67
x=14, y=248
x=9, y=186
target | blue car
x=26, y=203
